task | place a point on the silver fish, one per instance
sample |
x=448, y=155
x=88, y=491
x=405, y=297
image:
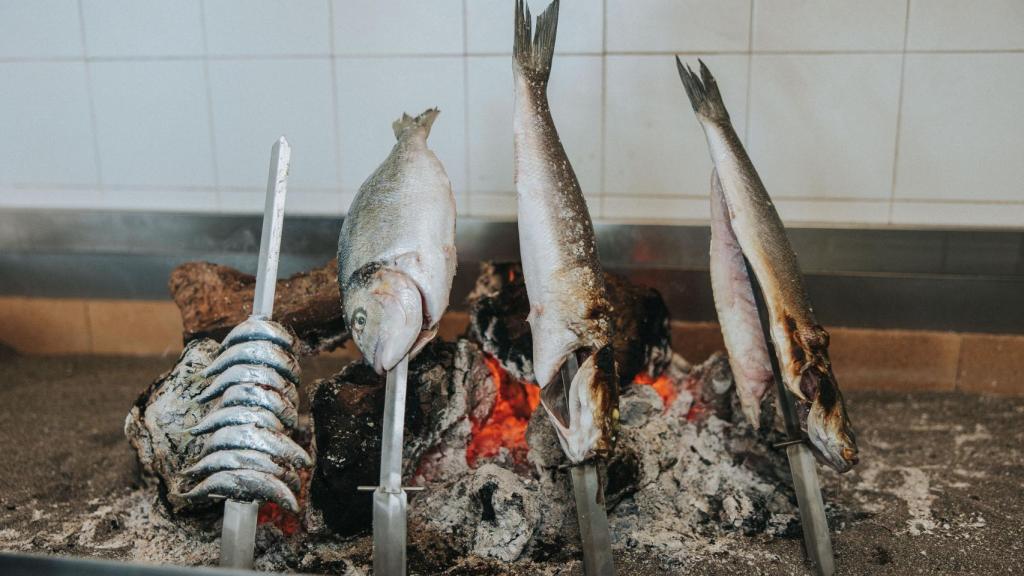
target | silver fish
x=245, y=485
x=243, y=460
x=250, y=437
x=255, y=328
x=396, y=251
x=569, y=308
x=235, y=415
x=264, y=376
x=801, y=344
x=255, y=353
x=255, y=396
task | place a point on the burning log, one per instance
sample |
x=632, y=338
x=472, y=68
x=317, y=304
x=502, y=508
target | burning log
x=213, y=299
x=499, y=307
x=449, y=388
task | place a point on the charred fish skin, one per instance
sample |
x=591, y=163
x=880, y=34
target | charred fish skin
x=801, y=344
x=255, y=328
x=252, y=437
x=245, y=485
x=569, y=308
x=255, y=396
x=255, y=353
x=396, y=250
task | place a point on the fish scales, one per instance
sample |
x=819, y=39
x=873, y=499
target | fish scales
x=569, y=308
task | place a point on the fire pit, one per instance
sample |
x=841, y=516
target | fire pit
x=687, y=469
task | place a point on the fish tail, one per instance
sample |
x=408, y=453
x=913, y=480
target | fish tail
x=533, y=51
x=703, y=92
x=406, y=122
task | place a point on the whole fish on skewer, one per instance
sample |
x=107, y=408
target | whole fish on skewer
x=396, y=251
x=746, y=224
x=569, y=308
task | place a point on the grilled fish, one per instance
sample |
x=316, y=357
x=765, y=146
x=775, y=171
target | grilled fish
x=396, y=251
x=569, y=308
x=747, y=224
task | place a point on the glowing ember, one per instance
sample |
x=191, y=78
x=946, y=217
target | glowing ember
x=287, y=522
x=505, y=426
x=663, y=385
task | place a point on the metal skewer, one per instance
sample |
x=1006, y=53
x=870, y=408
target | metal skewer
x=595, y=536
x=238, y=535
x=389, y=499
x=817, y=541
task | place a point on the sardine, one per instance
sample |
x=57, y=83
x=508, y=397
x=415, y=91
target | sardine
x=569, y=307
x=255, y=353
x=259, y=329
x=255, y=396
x=245, y=485
x=250, y=437
x=396, y=250
x=243, y=460
x=264, y=376
x=235, y=415
x=801, y=344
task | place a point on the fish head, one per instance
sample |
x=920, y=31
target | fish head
x=385, y=316
x=828, y=427
x=586, y=416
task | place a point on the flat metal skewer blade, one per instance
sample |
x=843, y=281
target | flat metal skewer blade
x=817, y=540
x=595, y=535
x=389, y=500
x=273, y=226
x=238, y=535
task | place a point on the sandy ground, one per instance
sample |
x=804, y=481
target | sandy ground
x=939, y=489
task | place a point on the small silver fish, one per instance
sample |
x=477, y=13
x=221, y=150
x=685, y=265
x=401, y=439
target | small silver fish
x=255, y=328
x=256, y=353
x=245, y=485
x=396, y=250
x=263, y=376
x=569, y=307
x=250, y=437
x=235, y=415
x=801, y=344
x=255, y=396
x=243, y=460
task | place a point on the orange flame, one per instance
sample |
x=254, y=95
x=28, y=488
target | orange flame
x=505, y=426
x=663, y=385
x=286, y=521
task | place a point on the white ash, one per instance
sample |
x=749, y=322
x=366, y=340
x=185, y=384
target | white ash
x=675, y=486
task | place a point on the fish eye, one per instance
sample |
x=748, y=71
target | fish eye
x=359, y=320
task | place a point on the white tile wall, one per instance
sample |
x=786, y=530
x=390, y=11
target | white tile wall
x=817, y=25
x=133, y=28
x=880, y=112
x=290, y=98
x=966, y=25
x=40, y=29
x=962, y=128
x=824, y=126
x=153, y=123
x=268, y=27
x=654, y=145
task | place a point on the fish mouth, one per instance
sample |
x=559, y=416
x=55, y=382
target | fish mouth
x=825, y=421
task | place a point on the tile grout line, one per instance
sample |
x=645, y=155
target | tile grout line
x=750, y=75
x=335, y=113
x=90, y=95
x=899, y=114
x=209, y=106
x=466, y=155
x=601, y=204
